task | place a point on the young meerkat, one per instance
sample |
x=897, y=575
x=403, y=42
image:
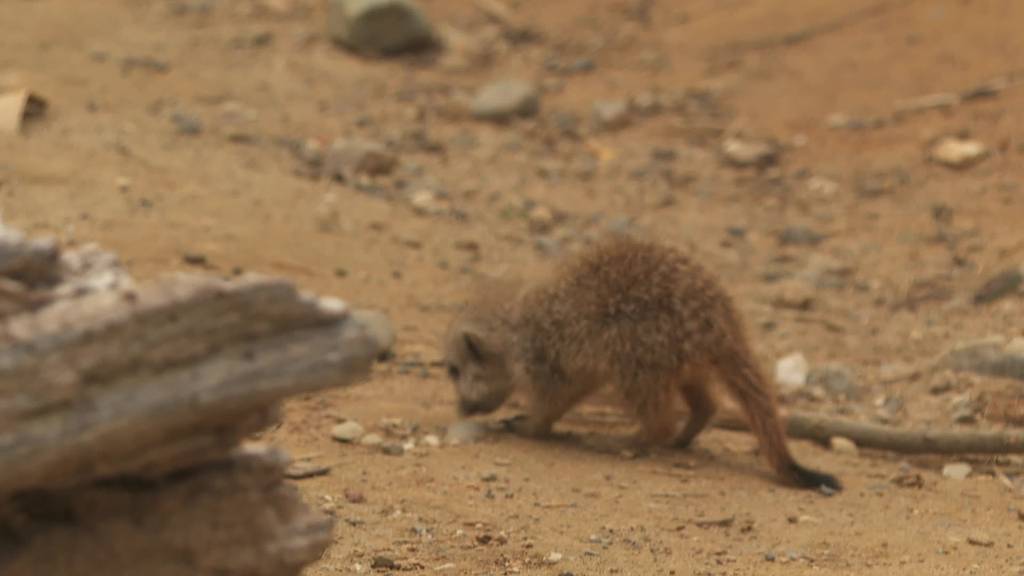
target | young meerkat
x=639, y=316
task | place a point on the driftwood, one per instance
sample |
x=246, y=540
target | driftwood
x=122, y=411
x=821, y=429
x=235, y=517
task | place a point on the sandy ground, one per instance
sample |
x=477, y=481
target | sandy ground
x=903, y=245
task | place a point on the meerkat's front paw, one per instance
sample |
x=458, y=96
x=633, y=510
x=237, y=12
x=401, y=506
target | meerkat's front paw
x=524, y=425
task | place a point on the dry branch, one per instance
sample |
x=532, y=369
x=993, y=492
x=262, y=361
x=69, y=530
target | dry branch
x=821, y=429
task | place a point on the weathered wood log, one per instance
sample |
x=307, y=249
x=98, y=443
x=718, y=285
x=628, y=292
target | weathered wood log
x=90, y=386
x=31, y=262
x=122, y=410
x=235, y=517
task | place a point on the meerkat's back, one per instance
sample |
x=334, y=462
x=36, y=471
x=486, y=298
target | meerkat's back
x=630, y=307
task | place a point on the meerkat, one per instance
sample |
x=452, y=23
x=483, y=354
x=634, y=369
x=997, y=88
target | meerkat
x=639, y=316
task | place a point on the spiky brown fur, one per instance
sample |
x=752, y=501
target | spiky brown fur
x=639, y=316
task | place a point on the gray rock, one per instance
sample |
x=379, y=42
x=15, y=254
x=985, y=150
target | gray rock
x=566, y=124
x=465, y=432
x=506, y=99
x=302, y=470
x=379, y=27
x=992, y=356
x=348, y=431
x=835, y=380
x=379, y=327
x=347, y=158
x=1001, y=285
x=800, y=236
x=611, y=114
x=392, y=449
x=743, y=152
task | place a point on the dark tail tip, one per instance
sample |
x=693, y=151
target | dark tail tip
x=814, y=480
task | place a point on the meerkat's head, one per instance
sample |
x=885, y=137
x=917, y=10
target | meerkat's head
x=478, y=367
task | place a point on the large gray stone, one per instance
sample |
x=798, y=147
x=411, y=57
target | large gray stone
x=381, y=27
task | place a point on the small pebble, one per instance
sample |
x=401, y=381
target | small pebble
x=506, y=99
x=194, y=259
x=611, y=114
x=800, y=236
x=980, y=539
x=354, y=496
x=392, y=449
x=958, y=152
x=327, y=213
x=431, y=440
x=835, y=380
x=302, y=469
x=383, y=563
x=742, y=153
x=956, y=470
x=348, y=431
x=842, y=445
x=371, y=439
x=348, y=157
x=791, y=372
x=425, y=203
x=186, y=123
x=541, y=219
x=553, y=558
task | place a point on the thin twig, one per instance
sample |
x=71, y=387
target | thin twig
x=905, y=441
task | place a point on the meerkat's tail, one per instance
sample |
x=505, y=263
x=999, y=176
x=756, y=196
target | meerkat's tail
x=748, y=385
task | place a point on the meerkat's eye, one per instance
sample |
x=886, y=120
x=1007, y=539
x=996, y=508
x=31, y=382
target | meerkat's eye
x=453, y=372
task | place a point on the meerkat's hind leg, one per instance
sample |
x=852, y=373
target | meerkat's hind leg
x=695, y=390
x=654, y=404
x=546, y=404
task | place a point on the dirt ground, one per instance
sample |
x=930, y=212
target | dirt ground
x=171, y=139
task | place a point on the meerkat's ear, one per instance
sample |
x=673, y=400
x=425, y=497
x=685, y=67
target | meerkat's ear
x=475, y=344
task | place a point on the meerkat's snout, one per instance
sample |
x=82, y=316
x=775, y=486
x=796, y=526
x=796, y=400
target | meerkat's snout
x=478, y=374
